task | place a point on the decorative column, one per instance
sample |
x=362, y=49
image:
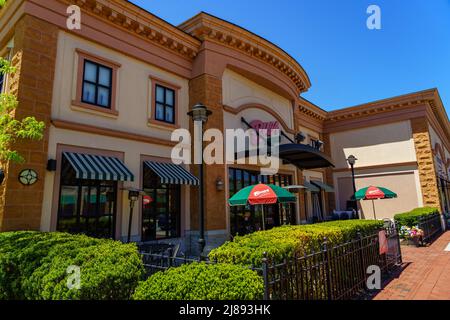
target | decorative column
x=207, y=89
x=330, y=198
x=425, y=160
x=34, y=55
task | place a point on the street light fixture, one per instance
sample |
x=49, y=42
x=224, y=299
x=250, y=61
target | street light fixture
x=351, y=161
x=199, y=115
x=133, y=196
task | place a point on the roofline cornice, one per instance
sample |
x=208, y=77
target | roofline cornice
x=207, y=27
x=124, y=14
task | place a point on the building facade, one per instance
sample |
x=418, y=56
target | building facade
x=112, y=93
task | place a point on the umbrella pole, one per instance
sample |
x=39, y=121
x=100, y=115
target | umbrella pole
x=374, y=213
x=263, y=218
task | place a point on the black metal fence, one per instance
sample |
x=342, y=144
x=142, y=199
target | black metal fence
x=431, y=226
x=332, y=273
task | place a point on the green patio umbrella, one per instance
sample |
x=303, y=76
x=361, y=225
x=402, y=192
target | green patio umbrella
x=374, y=193
x=261, y=194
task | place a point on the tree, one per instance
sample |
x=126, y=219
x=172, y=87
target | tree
x=12, y=129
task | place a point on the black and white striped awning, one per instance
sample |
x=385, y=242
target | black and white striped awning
x=92, y=167
x=171, y=173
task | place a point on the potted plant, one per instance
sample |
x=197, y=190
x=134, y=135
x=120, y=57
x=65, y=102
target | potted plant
x=412, y=236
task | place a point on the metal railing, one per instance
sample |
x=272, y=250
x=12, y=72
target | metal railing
x=332, y=273
x=431, y=226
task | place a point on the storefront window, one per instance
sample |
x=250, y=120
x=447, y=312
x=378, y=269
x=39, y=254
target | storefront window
x=86, y=206
x=248, y=219
x=161, y=209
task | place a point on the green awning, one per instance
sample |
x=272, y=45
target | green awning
x=325, y=187
x=94, y=167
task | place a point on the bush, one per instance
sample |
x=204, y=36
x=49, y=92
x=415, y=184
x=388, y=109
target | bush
x=200, y=281
x=284, y=242
x=33, y=265
x=413, y=217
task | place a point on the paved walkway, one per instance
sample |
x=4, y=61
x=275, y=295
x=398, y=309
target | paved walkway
x=426, y=274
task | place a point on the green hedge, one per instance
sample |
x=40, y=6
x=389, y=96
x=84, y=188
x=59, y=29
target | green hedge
x=33, y=265
x=412, y=218
x=285, y=241
x=201, y=281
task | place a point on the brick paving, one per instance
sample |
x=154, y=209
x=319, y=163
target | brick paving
x=426, y=274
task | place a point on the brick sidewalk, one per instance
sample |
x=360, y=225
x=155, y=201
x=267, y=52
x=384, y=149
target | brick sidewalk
x=426, y=275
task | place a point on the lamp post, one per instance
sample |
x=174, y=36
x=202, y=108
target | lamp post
x=351, y=161
x=133, y=196
x=199, y=115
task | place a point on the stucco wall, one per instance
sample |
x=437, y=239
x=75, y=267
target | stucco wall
x=239, y=91
x=133, y=90
x=133, y=96
x=403, y=183
x=378, y=145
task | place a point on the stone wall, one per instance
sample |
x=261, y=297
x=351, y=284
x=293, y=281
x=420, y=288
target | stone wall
x=34, y=57
x=427, y=169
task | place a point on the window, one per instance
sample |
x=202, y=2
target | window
x=248, y=219
x=161, y=208
x=86, y=206
x=164, y=104
x=97, y=84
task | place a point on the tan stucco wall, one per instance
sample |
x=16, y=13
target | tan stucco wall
x=378, y=145
x=133, y=90
x=133, y=105
x=404, y=184
x=239, y=91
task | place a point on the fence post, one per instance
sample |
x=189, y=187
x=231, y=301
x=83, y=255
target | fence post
x=399, y=246
x=326, y=258
x=169, y=257
x=265, y=269
x=361, y=257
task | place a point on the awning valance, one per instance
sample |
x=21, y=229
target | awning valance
x=325, y=187
x=310, y=187
x=93, y=167
x=172, y=173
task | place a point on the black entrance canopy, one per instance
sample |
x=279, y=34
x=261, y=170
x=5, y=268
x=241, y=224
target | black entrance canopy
x=300, y=155
x=304, y=156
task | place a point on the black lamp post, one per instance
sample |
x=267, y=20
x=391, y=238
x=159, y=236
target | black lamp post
x=199, y=115
x=351, y=161
x=133, y=196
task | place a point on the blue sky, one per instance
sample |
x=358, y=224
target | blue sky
x=348, y=64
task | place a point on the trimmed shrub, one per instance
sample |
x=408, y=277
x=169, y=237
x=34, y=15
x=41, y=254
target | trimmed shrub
x=413, y=217
x=284, y=242
x=201, y=281
x=33, y=265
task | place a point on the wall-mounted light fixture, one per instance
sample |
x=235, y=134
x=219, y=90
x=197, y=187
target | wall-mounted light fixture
x=51, y=165
x=300, y=137
x=220, y=185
